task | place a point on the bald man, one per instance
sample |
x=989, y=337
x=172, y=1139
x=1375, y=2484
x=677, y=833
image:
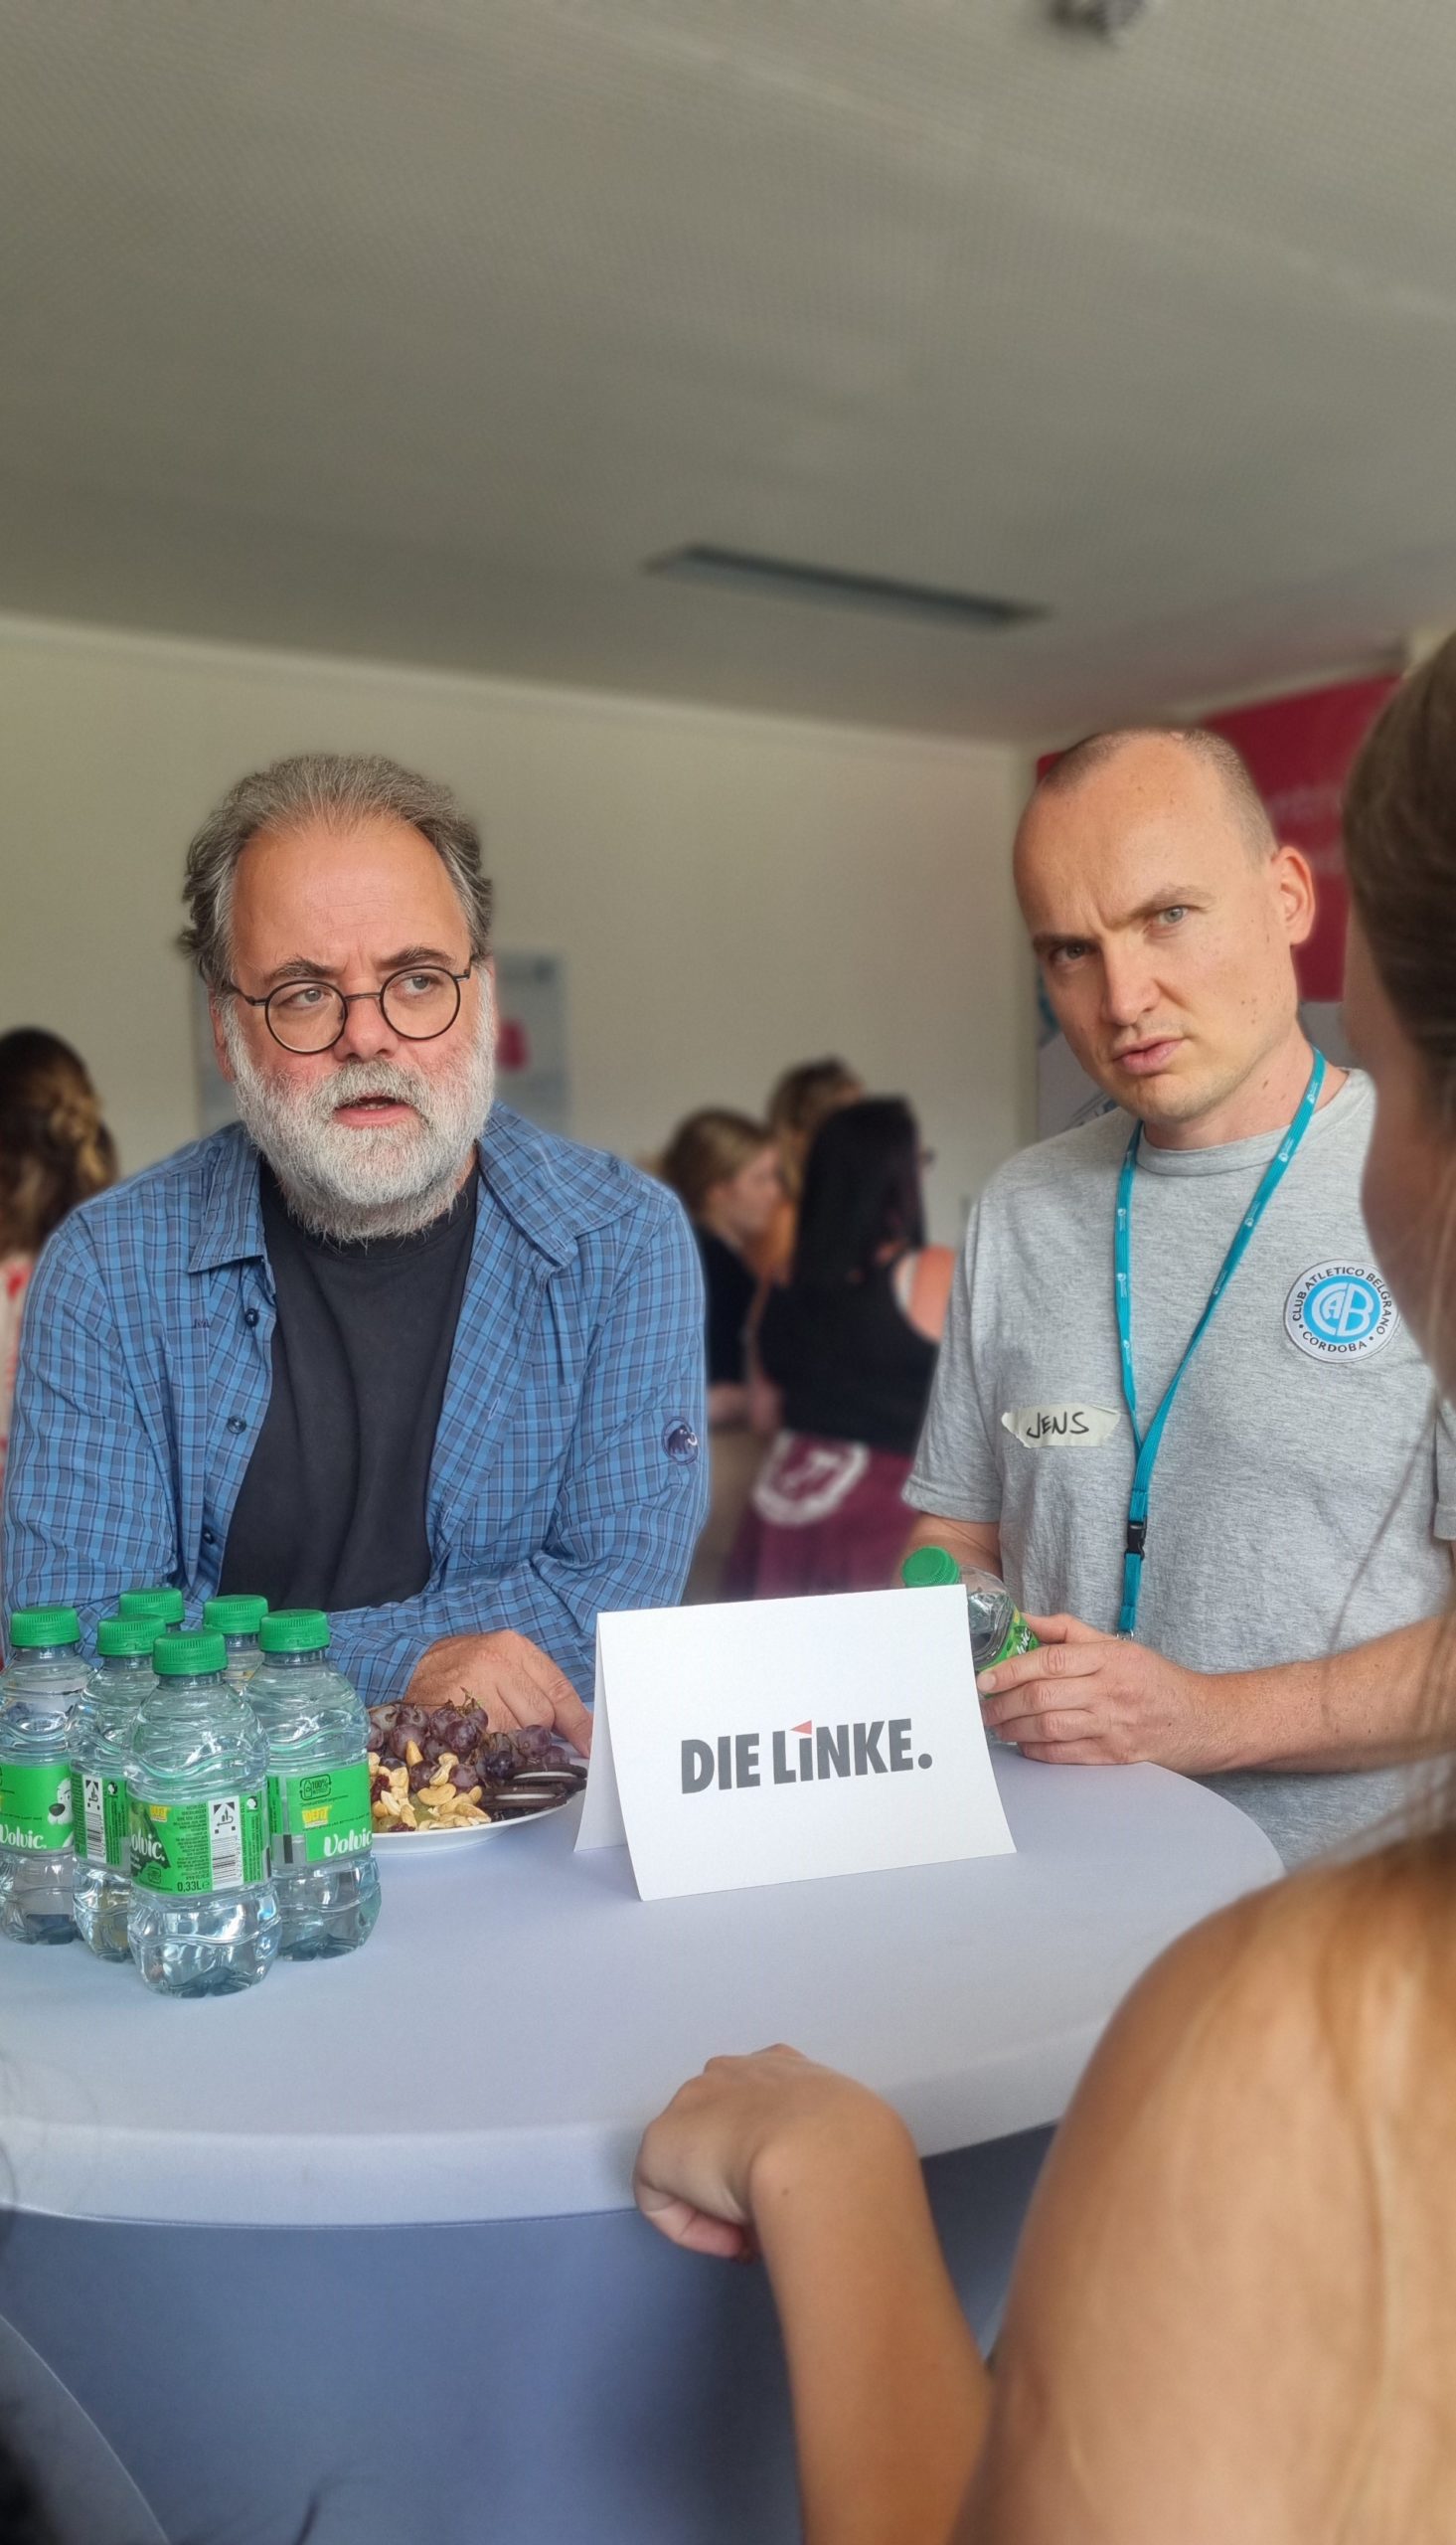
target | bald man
x=1176, y=1403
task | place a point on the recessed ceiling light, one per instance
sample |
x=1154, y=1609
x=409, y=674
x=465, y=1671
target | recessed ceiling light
x=781, y=578
x=1102, y=17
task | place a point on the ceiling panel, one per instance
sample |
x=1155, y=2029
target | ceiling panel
x=417, y=329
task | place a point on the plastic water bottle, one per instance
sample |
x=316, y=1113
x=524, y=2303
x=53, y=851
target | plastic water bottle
x=317, y=1732
x=204, y=1919
x=236, y=1616
x=100, y=1741
x=37, y=1692
x=998, y=1628
x=163, y=1603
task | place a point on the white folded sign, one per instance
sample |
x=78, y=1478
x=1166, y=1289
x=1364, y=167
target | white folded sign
x=784, y=1739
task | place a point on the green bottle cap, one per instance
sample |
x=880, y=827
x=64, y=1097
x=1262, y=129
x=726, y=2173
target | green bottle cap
x=166, y=1603
x=295, y=1630
x=236, y=1612
x=119, y=1636
x=188, y=1656
x=30, y=1629
x=928, y=1567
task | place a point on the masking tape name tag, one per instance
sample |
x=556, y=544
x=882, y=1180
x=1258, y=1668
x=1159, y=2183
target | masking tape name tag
x=1061, y=1427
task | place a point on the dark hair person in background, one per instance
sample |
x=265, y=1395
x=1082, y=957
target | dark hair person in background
x=802, y=1099
x=1233, y=2314
x=850, y=1342
x=54, y=1151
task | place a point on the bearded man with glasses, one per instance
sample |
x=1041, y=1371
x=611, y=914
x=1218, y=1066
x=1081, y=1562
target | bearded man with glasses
x=380, y=1347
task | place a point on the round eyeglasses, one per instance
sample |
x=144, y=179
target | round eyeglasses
x=310, y=1016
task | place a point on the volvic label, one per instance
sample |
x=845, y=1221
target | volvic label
x=198, y=1847
x=318, y=1818
x=102, y=1817
x=35, y=1805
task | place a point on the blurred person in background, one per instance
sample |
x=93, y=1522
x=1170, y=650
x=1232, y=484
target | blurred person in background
x=724, y=1168
x=850, y=1343
x=54, y=1151
x=803, y=1097
x=1234, y=2308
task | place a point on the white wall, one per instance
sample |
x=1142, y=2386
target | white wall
x=731, y=893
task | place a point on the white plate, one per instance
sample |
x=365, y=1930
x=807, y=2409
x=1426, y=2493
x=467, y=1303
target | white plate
x=397, y=1843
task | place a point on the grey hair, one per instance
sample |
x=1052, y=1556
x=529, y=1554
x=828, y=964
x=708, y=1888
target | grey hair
x=339, y=788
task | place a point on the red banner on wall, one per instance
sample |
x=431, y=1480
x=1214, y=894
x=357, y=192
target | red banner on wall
x=1299, y=751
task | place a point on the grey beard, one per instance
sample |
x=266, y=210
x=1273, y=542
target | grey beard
x=348, y=1185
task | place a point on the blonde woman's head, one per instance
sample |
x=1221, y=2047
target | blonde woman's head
x=724, y=1167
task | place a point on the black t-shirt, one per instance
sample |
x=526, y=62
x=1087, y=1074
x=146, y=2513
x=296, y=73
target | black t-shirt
x=332, y=1509
x=851, y=1365
x=731, y=1287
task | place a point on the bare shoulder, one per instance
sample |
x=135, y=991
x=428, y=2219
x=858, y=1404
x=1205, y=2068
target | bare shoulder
x=1199, y=2320
x=933, y=1270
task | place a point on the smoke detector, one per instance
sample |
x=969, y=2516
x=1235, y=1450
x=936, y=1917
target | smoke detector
x=1110, y=18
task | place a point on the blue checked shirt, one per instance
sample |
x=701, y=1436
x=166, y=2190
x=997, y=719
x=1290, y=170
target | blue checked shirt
x=567, y=1475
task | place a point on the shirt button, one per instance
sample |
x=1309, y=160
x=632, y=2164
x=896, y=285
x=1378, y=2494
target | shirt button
x=681, y=1443
x=236, y=1423
x=250, y=1316
x=207, y=1537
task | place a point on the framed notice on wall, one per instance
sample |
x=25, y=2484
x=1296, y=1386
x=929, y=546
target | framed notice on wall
x=1299, y=751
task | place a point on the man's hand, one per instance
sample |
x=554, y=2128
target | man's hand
x=510, y=1676
x=1085, y=1699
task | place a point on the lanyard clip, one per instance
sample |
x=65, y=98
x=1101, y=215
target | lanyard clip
x=1137, y=1536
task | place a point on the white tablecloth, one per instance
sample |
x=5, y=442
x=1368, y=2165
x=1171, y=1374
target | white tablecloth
x=518, y=2013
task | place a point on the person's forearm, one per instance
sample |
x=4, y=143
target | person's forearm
x=889, y=2392
x=1372, y=1707
x=971, y=1542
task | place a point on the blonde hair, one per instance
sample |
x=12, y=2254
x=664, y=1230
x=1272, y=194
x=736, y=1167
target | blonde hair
x=801, y=1103
x=1383, y=1924
x=806, y=1096
x=1401, y=858
x=55, y=1147
x=708, y=1148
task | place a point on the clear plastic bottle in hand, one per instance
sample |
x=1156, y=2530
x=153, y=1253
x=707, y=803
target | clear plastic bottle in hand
x=998, y=1628
x=100, y=1742
x=236, y=1616
x=204, y=1919
x=38, y=1691
x=319, y=1812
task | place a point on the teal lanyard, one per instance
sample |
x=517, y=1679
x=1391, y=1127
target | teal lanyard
x=1149, y=1443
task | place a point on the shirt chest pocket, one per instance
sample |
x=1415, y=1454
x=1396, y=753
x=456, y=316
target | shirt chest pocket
x=503, y=1514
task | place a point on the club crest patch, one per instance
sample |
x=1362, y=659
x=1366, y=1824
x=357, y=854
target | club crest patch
x=1339, y=1312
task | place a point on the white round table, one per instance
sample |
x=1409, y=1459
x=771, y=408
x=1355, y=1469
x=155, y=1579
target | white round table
x=370, y=2222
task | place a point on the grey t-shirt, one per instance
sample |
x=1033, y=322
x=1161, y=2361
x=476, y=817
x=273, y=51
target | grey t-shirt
x=1304, y=1482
